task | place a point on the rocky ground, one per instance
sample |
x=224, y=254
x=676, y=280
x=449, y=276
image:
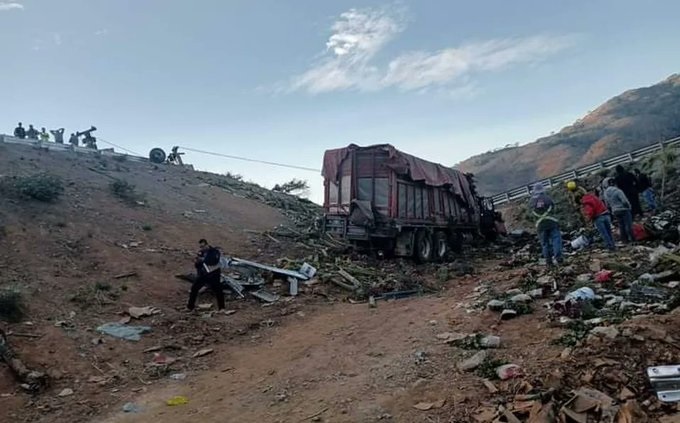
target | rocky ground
x=490, y=336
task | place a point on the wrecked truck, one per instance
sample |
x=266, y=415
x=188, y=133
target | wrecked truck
x=384, y=200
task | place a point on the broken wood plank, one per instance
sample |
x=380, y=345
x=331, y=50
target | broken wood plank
x=24, y=335
x=349, y=278
x=125, y=275
x=343, y=285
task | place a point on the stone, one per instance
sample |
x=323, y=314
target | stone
x=495, y=305
x=584, y=278
x=473, y=362
x=65, y=392
x=508, y=314
x=536, y=293
x=546, y=280
x=490, y=341
x=594, y=322
x=605, y=332
x=514, y=291
x=521, y=298
x=566, y=353
x=613, y=301
x=673, y=284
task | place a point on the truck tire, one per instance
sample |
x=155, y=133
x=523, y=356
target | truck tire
x=423, y=250
x=157, y=155
x=441, y=246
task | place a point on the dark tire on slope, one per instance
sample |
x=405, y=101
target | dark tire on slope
x=157, y=155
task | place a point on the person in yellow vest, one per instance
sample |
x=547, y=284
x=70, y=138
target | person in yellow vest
x=542, y=208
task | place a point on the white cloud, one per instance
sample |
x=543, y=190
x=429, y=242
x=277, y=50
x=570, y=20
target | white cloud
x=359, y=35
x=10, y=6
x=56, y=37
x=101, y=32
x=356, y=38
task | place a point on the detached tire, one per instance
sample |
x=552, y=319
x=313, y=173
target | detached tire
x=423, y=248
x=441, y=246
x=157, y=155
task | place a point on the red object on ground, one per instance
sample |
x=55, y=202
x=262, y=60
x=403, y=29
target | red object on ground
x=639, y=232
x=603, y=276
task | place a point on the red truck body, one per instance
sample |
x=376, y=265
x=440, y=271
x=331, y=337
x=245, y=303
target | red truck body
x=381, y=198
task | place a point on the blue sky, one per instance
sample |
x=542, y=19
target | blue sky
x=286, y=80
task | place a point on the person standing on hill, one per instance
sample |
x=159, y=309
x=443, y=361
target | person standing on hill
x=596, y=211
x=207, y=265
x=58, y=135
x=542, y=208
x=32, y=133
x=19, y=131
x=627, y=182
x=621, y=208
x=646, y=189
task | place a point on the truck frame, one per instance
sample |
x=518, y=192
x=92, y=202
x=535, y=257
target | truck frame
x=384, y=200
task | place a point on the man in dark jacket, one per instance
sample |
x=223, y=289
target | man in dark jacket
x=19, y=131
x=646, y=189
x=627, y=182
x=207, y=265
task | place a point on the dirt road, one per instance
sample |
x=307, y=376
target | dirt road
x=344, y=363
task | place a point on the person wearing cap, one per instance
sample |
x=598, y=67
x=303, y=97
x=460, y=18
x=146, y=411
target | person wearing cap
x=547, y=226
x=621, y=209
x=596, y=211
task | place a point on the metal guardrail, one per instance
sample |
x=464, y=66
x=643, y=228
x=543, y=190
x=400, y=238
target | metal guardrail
x=52, y=146
x=633, y=156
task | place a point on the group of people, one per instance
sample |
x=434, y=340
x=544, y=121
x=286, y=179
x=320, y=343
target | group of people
x=58, y=134
x=617, y=196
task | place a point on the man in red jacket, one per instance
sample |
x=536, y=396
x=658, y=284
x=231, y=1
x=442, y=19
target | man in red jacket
x=596, y=211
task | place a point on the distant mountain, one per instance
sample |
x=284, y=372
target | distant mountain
x=628, y=121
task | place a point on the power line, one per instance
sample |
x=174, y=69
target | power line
x=228, y=156
x=118, y=146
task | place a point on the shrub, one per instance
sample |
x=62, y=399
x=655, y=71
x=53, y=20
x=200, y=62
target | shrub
x=11, y=305
x=124, y=190
x=42, y=187
x=147, y=228
x=294, y=186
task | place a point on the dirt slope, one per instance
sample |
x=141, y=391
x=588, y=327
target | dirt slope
x=628, y=121
x=63, y=257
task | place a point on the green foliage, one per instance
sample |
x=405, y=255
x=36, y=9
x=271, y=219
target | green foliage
x=576, y=330
x=147, y=228
x=42, y=187
x=98, y=293
x=11, y=305
x=125, y=191
x=294, y=187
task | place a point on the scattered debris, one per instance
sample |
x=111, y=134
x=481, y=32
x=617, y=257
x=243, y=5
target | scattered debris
x=425, y=406
x=119, y=330
x=131, y=407
x=177, y=400
x=473, y=362
x=139, y=312
x=509, y=371
x=203, y=352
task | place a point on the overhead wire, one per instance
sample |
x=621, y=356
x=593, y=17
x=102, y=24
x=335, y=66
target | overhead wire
x=246, y=159
x=118, y=146
x=228, y=156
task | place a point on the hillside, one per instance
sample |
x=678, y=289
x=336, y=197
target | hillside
x=631, y=120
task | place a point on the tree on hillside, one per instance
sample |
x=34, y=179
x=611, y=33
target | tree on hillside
x=666, y=159
x=297, y=187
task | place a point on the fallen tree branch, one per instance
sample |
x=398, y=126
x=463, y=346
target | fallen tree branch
x=31, y=380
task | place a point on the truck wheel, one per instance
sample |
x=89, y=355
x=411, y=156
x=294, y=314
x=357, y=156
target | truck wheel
x=441, y=246
x=423, y=247
x=157, y=155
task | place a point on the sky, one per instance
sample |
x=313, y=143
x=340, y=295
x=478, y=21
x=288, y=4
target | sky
x=283, y=81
